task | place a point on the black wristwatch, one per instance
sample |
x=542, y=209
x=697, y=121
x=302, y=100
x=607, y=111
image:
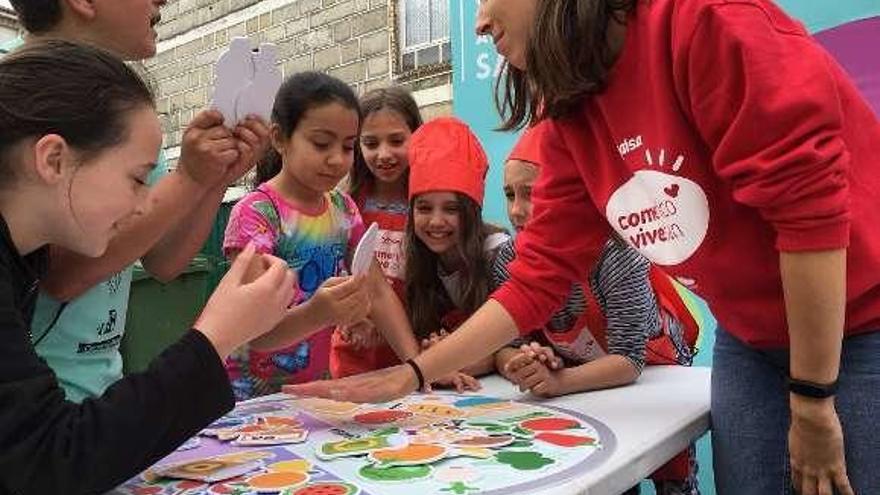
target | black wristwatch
x=812, y=389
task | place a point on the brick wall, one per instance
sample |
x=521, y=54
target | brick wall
x=349, y=39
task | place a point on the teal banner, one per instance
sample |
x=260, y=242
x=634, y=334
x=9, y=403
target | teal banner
x=476, y=66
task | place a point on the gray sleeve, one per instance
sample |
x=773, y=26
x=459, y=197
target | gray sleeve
x=623, y=291
x=504, y=256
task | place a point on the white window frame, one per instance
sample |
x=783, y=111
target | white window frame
x=400, y=49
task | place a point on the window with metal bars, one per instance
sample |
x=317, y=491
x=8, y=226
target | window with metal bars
x=423, y=33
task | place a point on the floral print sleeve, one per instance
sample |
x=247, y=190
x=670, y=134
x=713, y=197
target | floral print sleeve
x=253, y=219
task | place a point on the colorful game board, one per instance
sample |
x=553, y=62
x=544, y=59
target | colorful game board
x=442, y=443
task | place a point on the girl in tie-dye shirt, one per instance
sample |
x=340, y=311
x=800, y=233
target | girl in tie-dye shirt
x=296, y=214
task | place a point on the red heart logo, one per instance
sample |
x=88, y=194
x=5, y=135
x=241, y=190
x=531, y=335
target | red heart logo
x=672, y=190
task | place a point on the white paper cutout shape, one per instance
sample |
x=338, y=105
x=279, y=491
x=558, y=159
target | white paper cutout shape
x=365, y=251
x=233, y=72
x=246, y=81
x=258, y=97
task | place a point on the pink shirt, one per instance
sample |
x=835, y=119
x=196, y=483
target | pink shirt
x=316, y=245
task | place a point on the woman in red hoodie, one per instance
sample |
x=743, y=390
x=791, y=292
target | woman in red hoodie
x=724, y=144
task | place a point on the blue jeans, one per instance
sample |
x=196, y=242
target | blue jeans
x=750, y=416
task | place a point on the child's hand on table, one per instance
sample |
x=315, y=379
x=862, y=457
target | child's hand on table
x=433, y=339
x=462, y=382
x=362, y=335
x=530, y=373
x=551, y=386
x=543, y=354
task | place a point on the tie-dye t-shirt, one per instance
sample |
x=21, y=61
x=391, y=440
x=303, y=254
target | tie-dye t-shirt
x=315, y=245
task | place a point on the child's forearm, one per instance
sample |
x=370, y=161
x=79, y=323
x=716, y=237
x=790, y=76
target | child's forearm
x=481, y=367
x=389, y=317
x=300, y=322
x=605, y=372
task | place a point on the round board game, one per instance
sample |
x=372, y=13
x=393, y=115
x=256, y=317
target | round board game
x=442, y=443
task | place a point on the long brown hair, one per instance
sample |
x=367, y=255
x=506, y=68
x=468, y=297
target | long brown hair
x=568, y=57
x=393, y=98
x=426, y=297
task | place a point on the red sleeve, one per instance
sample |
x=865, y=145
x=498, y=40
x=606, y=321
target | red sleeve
x=560, y=243
x=763, y=96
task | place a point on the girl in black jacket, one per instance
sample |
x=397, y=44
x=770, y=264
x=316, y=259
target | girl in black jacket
x=78, y=136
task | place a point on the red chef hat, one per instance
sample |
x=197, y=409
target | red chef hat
x=528, y=148
x=444, y=155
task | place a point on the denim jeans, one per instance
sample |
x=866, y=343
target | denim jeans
x=750, y=416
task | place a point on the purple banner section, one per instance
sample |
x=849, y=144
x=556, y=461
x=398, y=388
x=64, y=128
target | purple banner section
x=854, y=45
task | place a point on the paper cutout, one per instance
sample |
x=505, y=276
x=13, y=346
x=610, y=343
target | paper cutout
x=437, y=434
x=459, y=488
x=246, y=81
x=527, y=416
x=276, y=481
x=232, y=73
x=257, y=455
x=358, y=446
x=521, y=444
x=265, y=408
x=550, y=424
x=192, y=443
x=235, y=486
x=523, y=460
x=485, y=441
x=473, y=452
x=279, y=421
x=224, y=489
x=295, y=466
x=478, y=401
x=489, y=426
x=262, y=430
x=395, y=473
x=224, y=423
x=209, y=470
x=365, y=252
x=564, y=440
x=436, y=410
x=327, y=406
x=501, y=428
x=274, y=437
x=148, y=490
x=410, y=455
x=382, y=416
x=325, y=488
x=458, y=478
x=384, y=432
x=258, y=97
